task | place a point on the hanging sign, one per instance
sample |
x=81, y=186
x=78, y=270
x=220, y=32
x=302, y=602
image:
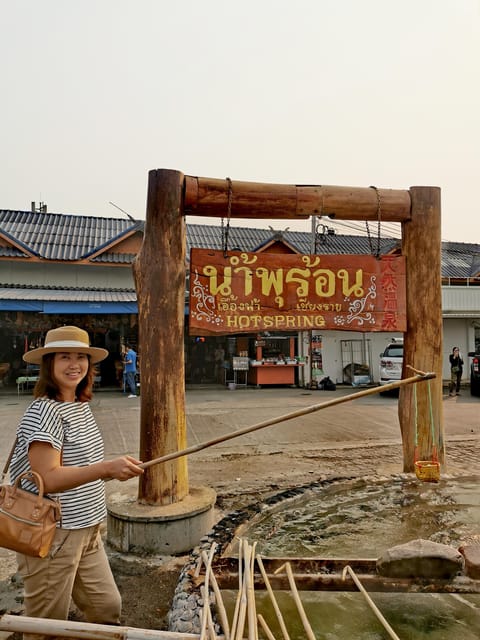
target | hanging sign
x=253, y=292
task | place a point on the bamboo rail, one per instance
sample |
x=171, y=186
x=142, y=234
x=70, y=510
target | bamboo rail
x=420, y=377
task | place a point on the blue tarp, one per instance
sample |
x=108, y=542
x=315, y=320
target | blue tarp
x=21, y=305
x=68, y=307
x=90, y=307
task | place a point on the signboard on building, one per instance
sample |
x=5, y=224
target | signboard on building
x=244, y=292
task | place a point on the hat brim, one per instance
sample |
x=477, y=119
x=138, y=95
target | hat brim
x=35, y=356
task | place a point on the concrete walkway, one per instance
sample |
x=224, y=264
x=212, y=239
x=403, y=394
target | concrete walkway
x=214, y=410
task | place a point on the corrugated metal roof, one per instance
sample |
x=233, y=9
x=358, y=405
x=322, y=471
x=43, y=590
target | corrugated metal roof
x=64, y=294
x=11, y=252
x=460, y=260
x=115, y=258
x=72, y=237
x=203, y=236
x=54, y=236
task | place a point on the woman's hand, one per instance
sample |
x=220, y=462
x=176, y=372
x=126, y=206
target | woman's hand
x=123, y=468
x=46, y=461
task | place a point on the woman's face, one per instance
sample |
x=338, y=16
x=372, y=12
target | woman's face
x=68, y=370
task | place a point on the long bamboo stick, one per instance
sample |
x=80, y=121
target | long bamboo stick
x=210, y=627
x=242, y=613
x=236, y=612
x=218, y=598
x=265, y=627
x=273, y=600
x=288, y=416
x=252, y=609
x=86, y=630
x=298, y=602
x=372, y=605
x=206, y=599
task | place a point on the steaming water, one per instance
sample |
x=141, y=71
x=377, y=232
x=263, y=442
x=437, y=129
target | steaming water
x=361, y=519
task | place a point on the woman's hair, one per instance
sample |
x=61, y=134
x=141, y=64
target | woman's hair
x=47, y=386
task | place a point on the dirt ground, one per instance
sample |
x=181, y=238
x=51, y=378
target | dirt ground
x=353, y=439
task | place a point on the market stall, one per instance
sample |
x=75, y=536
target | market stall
x=274, y=362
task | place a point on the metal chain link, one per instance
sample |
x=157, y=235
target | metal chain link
x=379, y=216
x=226, y=230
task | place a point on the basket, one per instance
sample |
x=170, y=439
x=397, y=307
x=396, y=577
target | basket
x=427, y=470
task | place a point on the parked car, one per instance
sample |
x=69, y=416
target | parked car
x=475, y=373
x=391, y=362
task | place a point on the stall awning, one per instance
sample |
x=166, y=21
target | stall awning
x=75, y=301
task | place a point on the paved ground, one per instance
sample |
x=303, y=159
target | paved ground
x=361, y=437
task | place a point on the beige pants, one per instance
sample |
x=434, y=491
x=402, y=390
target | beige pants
x=76, y=568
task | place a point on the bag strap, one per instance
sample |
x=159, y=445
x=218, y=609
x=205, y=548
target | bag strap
x=9, y=459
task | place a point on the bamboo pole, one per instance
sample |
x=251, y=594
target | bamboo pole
x=218, y=598
x=273, y=600
x=370, y=602
x=242, y=612
x=206, y=599
x=288, y=416
x=252, y=609
x=86, y=630
x=233, y=630
x=265, y=627
x=298, y=602
x=207, y=614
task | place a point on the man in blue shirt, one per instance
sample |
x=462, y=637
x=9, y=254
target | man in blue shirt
x=130, y=370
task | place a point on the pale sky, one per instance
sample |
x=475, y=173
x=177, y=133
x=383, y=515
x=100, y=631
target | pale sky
x=95, y=93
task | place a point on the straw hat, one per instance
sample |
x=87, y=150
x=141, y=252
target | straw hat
x=66, y=339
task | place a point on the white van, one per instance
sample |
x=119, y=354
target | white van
x=391, y=362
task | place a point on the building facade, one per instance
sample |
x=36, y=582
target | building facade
x=68, y=269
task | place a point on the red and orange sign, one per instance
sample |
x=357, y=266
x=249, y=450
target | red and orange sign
x=253, y=292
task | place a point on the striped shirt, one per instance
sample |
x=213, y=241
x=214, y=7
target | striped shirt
x=68, y=427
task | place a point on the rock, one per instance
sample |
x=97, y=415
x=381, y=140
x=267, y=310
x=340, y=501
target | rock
x=471, y=553
x=421, y=559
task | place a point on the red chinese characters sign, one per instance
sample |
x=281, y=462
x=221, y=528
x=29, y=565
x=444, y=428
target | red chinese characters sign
x=252, y=292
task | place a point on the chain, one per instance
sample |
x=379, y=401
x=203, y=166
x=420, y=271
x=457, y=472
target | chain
x=379, y=216
x=226, y=230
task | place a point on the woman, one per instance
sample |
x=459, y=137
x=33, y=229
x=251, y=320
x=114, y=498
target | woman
x=59, y=439
x=456, y=370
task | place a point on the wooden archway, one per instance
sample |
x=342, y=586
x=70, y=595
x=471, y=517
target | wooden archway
x=160, y=281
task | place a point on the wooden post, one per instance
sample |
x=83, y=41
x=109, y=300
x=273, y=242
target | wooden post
x=159, y=273
x=421, y=244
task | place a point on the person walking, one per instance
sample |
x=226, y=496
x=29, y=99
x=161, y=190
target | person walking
x=130, y=370
x=58, y=438
x=456, y=370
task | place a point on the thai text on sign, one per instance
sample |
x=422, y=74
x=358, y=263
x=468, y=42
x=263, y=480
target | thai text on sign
x=251, y=292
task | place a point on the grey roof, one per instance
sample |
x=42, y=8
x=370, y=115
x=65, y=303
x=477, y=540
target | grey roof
x=460, y=260
x=70, y=237
x=53, y=236
x=66, y=294
x=204, y=236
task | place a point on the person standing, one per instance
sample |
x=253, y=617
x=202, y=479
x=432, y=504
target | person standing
x=130, y=370
x=58, y=438
x=456, y=370
x=219, y=358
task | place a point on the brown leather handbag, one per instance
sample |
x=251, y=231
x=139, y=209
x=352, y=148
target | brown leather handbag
x=27, y=521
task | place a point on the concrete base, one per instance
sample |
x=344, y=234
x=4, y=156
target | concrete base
x=159, y=530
